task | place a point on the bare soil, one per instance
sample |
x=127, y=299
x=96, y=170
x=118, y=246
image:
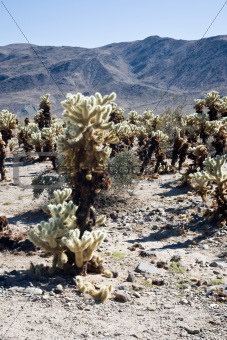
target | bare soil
x=169, y=265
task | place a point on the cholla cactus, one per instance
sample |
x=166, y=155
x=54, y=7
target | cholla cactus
x=134, y=118
x=198, y=154
x=199, y=105
x=194, y=126
x=117, y=114
x=85, y=147
x=218, y=130
x=201, y=183
x=24, y=135
x=215, y=174
x=43, y=116
x=60, y=236
x=102, y=294
x=2, y=158
x=8, y=123
x=153, y=145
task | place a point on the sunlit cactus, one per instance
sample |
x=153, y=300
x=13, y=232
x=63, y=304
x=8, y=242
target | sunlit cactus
x=60, y=236
x=43, y=116
x=85, y=146
x=215, y=174
x=8, y=123
x=2, y=159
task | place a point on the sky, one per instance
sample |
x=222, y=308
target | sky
x=95, y=23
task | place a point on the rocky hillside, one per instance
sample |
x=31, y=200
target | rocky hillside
x=149, y=74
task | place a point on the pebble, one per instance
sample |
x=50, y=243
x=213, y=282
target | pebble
x=144, y=267
x=131, y=277
x=121, y=296
x=205, y=247
x=136, y=294
x=184, y=302
x=33, y=291
x=2, y=271
x=192, y=330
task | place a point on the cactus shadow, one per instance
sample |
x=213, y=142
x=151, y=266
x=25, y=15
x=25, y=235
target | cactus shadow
x=22, y=279
x=29, y=217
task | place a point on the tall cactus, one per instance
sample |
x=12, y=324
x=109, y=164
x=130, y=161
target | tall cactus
x=85, y=147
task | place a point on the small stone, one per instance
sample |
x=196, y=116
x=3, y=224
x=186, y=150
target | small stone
x=121, y=296
x=144, y=267
x=131, y=277
x=122, y=287
x=205, y=247
x=114, y=215
x=184, y=302
x=175, y=258
x=2, y=271
x=192, y=330
x=214, y=264
x=58, y=289
x=136, y=294
x=158, y=282
x=33, y=291
x=167, y=306
x=161, y=264
x=115, y=274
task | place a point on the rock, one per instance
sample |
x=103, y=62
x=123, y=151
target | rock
x=131, y=277
x=214, y=264
x=184, y=302
x=205, y=246
x=58, y=289
x=167, y=306
x=137, y=288
x=136, y=294
x=192, y=330
x=121, y=296
x=161, y=264
x=121, y=287
x=33, y=291
x=158, y=282
x=144, y=267
x=2, y=272
x=147, y=253
x=175, y=258
x=115, y=274
x=114, y=215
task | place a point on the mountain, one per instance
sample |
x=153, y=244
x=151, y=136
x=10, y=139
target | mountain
x=146, y=74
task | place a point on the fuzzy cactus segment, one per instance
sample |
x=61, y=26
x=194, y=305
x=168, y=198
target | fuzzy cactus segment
x=61, y=235
x=85, y=143
x=102, y=294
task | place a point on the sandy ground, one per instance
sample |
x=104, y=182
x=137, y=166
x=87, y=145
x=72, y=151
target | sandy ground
x=170, y=269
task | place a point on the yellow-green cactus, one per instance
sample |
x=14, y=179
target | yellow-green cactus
x=102, y=294
x=215, y=174
x=77, y=245
x=61, y=235
x=88, y=133
x=8, y=123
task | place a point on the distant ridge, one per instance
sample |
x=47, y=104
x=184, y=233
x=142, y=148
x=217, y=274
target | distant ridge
x=146, y=74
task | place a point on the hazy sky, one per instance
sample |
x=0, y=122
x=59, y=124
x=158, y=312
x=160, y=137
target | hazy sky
x=95, y=23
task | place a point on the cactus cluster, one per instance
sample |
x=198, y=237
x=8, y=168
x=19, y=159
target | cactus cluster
x=43, y=116
x=102, y=294
x=8, y=123
x=213, y=180
x=85, y=146
x=2, y=158
x=60, y=236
